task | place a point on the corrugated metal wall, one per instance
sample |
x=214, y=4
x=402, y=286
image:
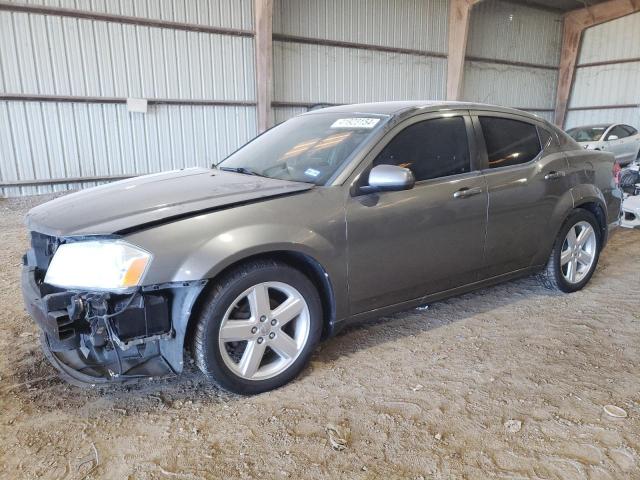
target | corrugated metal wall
x=307, y=74
x=503, y=35
x=614, y=85
x=416, y=24
x=322, y=74
x=214, y=13
x=54, y=55
x=331, y=51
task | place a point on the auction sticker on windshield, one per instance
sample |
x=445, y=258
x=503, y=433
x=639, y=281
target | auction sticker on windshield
x=361, y=122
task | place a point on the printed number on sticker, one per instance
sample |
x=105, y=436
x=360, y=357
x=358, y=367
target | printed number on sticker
x=355, y=123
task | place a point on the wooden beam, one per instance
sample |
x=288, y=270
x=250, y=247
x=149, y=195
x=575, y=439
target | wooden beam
x=459, y=11
x=571, y=35
x=576, y=22
x=263, y=10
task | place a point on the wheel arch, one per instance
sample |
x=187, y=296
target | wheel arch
x=301, y=261
x=597, y=207
x=568, y=203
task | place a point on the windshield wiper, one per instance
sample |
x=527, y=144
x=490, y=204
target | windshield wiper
x=242, y=170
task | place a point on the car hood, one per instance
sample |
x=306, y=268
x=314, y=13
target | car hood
x=150, y=199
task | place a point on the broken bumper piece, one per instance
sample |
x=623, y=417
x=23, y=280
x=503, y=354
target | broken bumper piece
x=99, y=337
x=630, y=216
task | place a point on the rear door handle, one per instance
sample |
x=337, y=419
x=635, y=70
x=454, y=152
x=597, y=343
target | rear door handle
x=467, y=192
x=554, y=175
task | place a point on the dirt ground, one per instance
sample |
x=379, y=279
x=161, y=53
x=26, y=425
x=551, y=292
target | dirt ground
x=508, y=382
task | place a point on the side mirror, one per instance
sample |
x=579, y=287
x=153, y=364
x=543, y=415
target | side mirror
x=612, y=137
x=389, y=178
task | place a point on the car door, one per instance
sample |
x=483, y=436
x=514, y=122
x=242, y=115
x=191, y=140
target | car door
x=526, y=177
x=404, y=245
x=619, y=142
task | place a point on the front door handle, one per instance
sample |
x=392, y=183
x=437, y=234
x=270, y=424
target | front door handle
x=467, y=192
x=554, y=175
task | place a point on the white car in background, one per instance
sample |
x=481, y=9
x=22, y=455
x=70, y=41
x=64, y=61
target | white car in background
x=621, y=140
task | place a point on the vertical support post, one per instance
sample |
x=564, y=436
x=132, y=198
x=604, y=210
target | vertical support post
x=571, y=36
x=576, y=22
x=459, y=12
x=263, y=14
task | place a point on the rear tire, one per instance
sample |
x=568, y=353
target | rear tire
x=258, y=327
x=573, y=258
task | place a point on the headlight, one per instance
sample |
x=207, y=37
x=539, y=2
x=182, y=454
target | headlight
x=98, y=264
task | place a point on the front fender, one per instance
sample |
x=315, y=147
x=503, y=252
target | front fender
x=202, y=246
x=235, y=245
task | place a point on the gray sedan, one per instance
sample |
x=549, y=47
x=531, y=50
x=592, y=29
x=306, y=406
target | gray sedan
x=332, y=217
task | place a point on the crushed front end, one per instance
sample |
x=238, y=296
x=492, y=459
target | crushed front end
x=95, y=337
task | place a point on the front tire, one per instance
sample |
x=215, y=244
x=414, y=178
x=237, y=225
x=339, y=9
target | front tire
x=575, y=253
x=258, y=327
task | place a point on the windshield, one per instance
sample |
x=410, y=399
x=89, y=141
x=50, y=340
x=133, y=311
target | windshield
x=308, y=148
x=587, y=134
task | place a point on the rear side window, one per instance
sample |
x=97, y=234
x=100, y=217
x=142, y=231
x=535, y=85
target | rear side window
x=430, y=149
x=509, y=142
x=631, y=130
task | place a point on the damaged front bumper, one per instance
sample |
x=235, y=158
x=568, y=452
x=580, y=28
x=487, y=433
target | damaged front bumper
x=100, y=337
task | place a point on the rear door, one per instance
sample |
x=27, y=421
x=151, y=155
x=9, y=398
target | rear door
x=525, y=173
x=407, y=244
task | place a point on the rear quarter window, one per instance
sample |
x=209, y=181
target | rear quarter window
x=509, y=142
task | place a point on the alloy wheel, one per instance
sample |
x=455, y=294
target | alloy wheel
x=578, y=252
x=264, y=330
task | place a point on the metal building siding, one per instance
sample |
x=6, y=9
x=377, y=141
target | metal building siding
x=415, y=24
x=51, y=55
x=215, y=13
x=280, y=114
x=608, y=85
x=518, y=33
x=509, y=85
x=317, y=73
x=55, y=140
x=630, y=116
x=505, y=31
x=615, y=40
x=616, y=84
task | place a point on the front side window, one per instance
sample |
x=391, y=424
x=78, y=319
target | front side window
x=309, y=148
x=509, y=142
x=430, y=149
x=617, y=131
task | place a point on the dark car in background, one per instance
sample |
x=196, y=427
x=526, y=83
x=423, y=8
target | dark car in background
x=332, y=217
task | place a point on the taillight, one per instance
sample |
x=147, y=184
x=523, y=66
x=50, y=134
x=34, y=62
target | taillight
x=616, y=172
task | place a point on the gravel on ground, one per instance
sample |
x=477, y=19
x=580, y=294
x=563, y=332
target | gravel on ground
x=506, y=382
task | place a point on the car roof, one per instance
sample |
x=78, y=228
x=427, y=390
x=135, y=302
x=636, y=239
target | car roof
x=403, y=107
x=595, y=125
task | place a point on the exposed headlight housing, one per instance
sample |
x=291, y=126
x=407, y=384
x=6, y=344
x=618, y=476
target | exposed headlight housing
x=98, y=264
